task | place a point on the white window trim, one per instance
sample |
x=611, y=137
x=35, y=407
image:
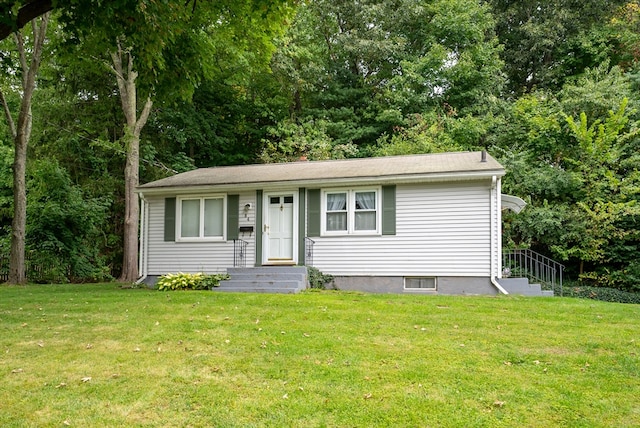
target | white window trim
x=201, y=238
x=351, y=211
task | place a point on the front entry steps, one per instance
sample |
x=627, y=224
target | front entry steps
x=522, y=287
x=268, y=279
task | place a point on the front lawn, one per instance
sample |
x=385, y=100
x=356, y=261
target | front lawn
x=97, y=355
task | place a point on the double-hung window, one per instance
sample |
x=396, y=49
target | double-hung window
x=352, y=211
x=201, y=218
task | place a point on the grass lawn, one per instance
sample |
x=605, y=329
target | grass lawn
x=97, y=355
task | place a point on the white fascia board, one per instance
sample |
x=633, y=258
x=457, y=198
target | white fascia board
x=337, y=182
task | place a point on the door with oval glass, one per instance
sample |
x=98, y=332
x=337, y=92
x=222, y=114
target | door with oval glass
x=278, y=230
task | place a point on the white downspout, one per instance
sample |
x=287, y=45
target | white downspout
x=495, y=212
x=142, y=252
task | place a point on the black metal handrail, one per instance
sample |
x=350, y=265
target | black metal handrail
x=240, y=253
x=308, y=251
x=527, y=263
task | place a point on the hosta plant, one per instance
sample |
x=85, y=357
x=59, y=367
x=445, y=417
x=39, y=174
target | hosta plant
x=189, y=281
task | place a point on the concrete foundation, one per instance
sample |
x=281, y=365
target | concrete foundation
x=395, y=284
x=448, y=285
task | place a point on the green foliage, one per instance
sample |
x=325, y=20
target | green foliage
x=547, y=42
x=597, y=91
x=189, y=281
x=604, y=294
x=64, y=230
x=624, y=29
x=46, y=267
x=579, y=176
x=374, y=77
x=365, y=67
x=291, y=141
x=177, y=44
x=317, y=279
x=421, y=135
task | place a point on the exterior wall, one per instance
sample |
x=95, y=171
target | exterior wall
x=443, y=230
x=395, y=284
x=209, y=257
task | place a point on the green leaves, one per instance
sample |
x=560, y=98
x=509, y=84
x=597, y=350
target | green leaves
x=189, y=281
x=366, y=68
x=580, y=173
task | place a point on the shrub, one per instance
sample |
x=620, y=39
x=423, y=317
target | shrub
x=318, y=279
x=602, y=293
x=189, y=281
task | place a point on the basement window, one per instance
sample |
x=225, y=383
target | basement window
x=420, y=283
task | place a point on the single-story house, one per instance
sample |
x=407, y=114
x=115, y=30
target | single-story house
x=420, y=223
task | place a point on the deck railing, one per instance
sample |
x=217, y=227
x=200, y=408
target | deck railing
x=240, y=253
x=534, y=266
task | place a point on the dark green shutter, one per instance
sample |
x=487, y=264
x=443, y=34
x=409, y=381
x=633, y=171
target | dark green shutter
x=169, y=219
x=259, y=228
x=314, y=212
x=389, y=210
x=233, y=216
x=302, y=205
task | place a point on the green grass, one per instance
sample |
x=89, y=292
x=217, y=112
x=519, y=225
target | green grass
x=97, y=355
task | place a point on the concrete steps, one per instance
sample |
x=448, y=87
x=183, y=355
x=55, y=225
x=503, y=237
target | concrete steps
x=522, y=287
x=268, y=279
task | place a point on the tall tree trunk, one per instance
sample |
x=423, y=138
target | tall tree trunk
x=21, y=134
x=126, y=77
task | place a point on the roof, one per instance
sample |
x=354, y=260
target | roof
x=397, y=169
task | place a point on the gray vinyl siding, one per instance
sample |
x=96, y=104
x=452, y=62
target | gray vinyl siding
x=442, y=230
x=165, y=257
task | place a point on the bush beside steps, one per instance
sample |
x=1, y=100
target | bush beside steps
x=190, y=281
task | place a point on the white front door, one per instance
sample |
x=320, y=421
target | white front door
x=279, y=232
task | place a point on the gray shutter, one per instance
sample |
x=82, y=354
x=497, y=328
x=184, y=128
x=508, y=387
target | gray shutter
x=233, y=217
x=169, y=219
x=389, y=210
x=313, y=212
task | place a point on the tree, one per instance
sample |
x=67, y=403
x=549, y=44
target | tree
x=367, y=68
x=547, y=41
x=126, y=76
x=573, y=156
x=14, y=15
x=173, y=47
x=29, y=60
x=65, y=226
x=609, y=191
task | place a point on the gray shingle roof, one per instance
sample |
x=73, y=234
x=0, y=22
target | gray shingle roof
x=440, y=166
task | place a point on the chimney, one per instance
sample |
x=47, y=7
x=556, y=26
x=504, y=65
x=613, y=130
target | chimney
x=483, y=156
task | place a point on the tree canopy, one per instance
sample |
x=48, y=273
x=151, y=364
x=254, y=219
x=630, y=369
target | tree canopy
x=549, y=88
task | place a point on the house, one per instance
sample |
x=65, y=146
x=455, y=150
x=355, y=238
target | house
x=421, y=223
